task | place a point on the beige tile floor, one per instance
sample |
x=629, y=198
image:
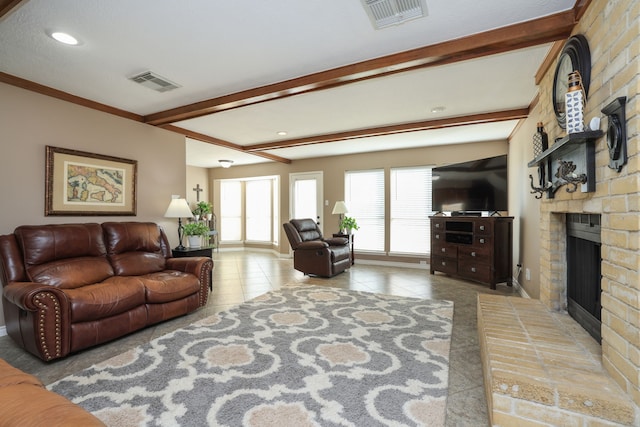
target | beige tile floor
x=240, y=276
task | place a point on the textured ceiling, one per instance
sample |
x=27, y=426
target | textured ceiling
x=214, y=48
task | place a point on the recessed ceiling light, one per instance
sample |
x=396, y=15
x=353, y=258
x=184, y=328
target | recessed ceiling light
x=64, y=38
x=282, y=133
x=437, y=109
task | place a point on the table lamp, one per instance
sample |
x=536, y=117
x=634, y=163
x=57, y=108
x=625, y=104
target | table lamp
x=340, y=208
x=179, y=208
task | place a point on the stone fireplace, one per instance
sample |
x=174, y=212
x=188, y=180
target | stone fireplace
x=615, y=72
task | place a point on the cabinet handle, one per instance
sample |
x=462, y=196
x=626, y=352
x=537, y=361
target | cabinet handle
x=444, y=263
x=473, y=254
x=481, y=240
x=473, y=269
x=482, y=227
x=444, y=250
x=437, y=225
x=437, y=237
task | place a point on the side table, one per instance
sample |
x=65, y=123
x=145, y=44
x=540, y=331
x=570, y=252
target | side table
x=205, y=251
x=350, y=237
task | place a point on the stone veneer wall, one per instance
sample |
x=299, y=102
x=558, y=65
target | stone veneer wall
x=613, y=31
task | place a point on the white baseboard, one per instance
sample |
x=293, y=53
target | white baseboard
x=520, y=289
x=3, y=331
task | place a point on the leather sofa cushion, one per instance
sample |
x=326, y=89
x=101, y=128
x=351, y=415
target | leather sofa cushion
x=134, y=248
x=64, y=255
x=169, y=285
x=45, y=243
x=72, y=272
x=113, y=296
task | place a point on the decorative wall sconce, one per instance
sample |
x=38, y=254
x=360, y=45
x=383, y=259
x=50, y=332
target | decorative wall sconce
x=617, y=133
x=538, y=191
x=566, y=176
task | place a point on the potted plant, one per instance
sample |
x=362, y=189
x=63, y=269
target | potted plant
x=204, y=208
x=194, y=232
x=348, y=224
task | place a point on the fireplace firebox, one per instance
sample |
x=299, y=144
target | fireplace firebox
x=584, y=271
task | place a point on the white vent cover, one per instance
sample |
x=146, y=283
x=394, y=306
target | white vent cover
x=154, y=81
x=384, y=13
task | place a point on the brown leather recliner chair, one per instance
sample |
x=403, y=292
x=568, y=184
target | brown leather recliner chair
x=312, y=254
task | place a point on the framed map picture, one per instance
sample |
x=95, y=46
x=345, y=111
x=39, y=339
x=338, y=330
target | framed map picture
x=86, y=184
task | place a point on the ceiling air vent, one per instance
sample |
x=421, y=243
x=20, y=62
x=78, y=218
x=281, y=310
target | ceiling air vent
x=384, y=13
x=154, y=81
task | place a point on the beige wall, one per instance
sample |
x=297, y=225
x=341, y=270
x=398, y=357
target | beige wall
x=334, y=168
x=197, y=176
x=524, y=207
x=29, y=122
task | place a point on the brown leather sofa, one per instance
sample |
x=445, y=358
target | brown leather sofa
x=24, y=401
x=313, y=254
x=67, y=287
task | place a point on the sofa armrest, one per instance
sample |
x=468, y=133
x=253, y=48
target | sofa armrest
x=44, y=331
x=193, y=265
x=312, y=245
x=25, y=402
x=200, y=267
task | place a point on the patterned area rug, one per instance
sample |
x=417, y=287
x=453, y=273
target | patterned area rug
x=301, y=356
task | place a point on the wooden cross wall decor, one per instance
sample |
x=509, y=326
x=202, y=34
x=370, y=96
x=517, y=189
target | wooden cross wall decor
x=197, y=189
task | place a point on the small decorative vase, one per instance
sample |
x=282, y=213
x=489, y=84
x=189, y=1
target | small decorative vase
x=574, y=101
x=540, y=140
x=209, y=216
x=194, y=241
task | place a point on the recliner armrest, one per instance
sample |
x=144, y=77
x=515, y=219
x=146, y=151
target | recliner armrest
x=193, y=265
x=337, y=241
x=22, y=294
x=312, y=244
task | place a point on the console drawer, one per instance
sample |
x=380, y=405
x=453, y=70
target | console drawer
x=479, y=272
x=484, y=227
x=443, y=264
x=444, y=250
x=475, y=255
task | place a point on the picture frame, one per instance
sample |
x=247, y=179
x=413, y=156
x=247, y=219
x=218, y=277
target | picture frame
x=78, y=183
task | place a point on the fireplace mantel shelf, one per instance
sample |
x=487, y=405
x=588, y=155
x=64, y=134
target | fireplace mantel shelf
x=575, y=154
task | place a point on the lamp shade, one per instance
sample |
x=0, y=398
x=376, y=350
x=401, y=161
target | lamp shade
x=178, y=208
x=340, y=208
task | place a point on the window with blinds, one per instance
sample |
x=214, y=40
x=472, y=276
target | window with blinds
x=249, y=208
x=410, y=207
x=364, y=196
x=230, y=210
x=258, y=210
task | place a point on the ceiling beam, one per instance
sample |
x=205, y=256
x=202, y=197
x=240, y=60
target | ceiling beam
x=518, y=36
x=7, y=6
x=65, y=96
x=498, y=116
x=222, y=143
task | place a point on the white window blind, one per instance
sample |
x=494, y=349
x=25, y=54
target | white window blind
x=364, y=196
x=258, y=210
x=410, y=207
x=230, y=210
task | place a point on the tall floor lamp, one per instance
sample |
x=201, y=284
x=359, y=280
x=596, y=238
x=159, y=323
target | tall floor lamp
x=340, y=208
x=179, y=208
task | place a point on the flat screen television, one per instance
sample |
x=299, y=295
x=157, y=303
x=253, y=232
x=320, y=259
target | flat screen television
x=471, y=187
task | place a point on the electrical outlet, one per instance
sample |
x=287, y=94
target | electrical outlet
x=527, y=274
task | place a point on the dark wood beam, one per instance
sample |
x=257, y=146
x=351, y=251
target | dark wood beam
x=55, y=93
x=498, y=116
x=222, y=143
x=518, y=36
x=6, y=6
